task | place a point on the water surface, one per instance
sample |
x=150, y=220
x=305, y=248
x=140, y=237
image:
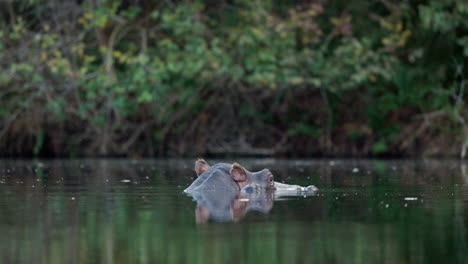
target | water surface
x=133, y=211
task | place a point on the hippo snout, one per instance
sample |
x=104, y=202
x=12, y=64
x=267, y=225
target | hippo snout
x=311, y=188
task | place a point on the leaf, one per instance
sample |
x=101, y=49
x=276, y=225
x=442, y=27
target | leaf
x=379, y=147
x=145, y=97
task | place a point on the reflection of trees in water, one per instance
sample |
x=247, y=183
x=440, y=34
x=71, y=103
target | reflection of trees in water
x=129, y=223
x=461, y=206
x=464, y=173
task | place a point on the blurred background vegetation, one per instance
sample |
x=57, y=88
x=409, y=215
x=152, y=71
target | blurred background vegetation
x=280, y=77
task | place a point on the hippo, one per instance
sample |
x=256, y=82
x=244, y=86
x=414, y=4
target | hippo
x=230, y=178
x=226, y=192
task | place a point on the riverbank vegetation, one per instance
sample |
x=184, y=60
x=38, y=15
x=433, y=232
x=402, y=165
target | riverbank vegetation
x=280, y=77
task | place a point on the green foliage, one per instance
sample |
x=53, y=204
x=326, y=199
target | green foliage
x=39, y=142
x=304, y=129
x=380, y=147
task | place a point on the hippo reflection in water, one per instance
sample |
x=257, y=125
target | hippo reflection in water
x=226, y=192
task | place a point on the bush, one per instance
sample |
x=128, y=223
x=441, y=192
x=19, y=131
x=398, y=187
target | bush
x=316, y=77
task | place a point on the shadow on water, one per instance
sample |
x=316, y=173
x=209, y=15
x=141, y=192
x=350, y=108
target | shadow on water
x=123, y=211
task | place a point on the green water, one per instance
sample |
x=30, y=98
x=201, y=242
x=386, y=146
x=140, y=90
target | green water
x=127, y=211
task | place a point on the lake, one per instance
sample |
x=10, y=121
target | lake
x=135, y=211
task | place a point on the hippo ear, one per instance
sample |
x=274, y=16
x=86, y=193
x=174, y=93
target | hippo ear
x=238, y=172
x=201, y=166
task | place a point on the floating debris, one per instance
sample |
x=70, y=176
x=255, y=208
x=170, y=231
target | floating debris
x=355, y=170
x=125, y=180
x=411, y=198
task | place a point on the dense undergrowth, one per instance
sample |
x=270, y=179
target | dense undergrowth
x=144, y=78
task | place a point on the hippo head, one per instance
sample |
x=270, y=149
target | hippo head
x=246, y=180
x=250, y=181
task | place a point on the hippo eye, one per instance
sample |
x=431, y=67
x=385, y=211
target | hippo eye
x=270, y=179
